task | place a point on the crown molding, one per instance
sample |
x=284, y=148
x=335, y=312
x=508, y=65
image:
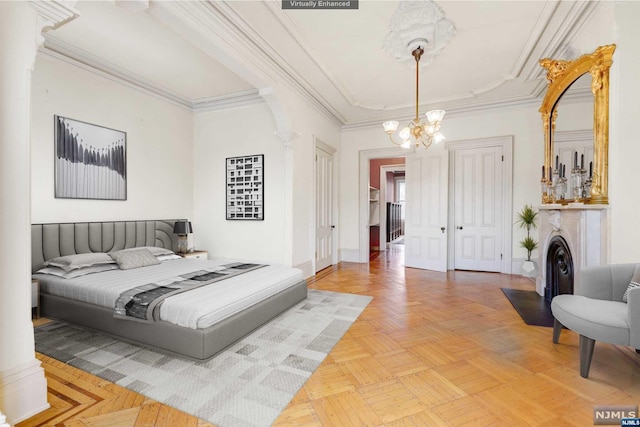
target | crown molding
x=534, y=38
x=458, y=111
x=237, y=39
x=53, y=14
x=219, y=30
x=565, y=30
x=573, y=135
x=227, y=102
x=58, y=50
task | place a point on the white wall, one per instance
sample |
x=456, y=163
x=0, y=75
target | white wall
x=310, y=124
x=624, y=144
x=524, y=123
x=221, y=134
x=231, y=133
x=159, y=146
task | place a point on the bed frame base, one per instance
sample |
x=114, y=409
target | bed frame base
x=199, y=344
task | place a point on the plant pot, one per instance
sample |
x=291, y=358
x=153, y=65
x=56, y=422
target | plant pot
x=529, y=268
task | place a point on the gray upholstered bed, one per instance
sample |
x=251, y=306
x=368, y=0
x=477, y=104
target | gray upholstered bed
x=54, y=240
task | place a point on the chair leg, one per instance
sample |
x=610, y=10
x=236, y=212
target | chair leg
x=586, y=353
x=557, y=328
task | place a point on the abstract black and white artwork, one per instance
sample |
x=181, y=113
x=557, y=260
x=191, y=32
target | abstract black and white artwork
x=90, y=161
x=245, y=190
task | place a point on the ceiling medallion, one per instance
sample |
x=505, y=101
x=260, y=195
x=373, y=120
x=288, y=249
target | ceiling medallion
x=417, y=20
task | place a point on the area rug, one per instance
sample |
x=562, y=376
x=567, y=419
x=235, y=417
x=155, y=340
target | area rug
x=531, y=307
x=248, y=384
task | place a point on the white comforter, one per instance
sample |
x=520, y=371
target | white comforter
x=198, y=308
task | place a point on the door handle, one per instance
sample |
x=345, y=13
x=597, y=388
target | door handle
x=442, y=229
x=333, y=226
x=459, y=227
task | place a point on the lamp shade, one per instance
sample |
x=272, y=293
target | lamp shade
x=435, y=116
x=390, y=126
x=182, y=227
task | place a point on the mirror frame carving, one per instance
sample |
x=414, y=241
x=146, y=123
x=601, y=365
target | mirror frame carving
x=562, y=74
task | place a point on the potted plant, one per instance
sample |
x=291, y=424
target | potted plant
x=526, y=219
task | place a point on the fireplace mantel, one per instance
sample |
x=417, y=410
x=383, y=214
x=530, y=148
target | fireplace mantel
x=585, y=228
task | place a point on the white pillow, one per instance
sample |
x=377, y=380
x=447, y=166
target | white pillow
x=153, y=249
x=128, y=259
x=72, y=262
x=78, y=272
x=168, y=257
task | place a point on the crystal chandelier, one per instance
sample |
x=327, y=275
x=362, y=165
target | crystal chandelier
x=418, y=132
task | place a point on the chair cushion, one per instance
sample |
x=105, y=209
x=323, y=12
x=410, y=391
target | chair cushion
x=597, y=319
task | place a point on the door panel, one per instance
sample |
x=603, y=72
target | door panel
x=478, y=208
x=426, y=210
x=324, y=197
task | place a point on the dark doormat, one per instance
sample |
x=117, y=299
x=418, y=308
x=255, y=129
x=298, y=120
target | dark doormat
x=533, y=308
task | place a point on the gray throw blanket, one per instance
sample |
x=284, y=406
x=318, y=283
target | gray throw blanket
x=142, y=303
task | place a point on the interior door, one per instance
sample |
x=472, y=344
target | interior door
x=426, y=209
x=324, y=208
x=478, y=194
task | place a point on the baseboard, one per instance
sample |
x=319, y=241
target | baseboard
x=23, y=391
x=350, y=255
x=307, y=269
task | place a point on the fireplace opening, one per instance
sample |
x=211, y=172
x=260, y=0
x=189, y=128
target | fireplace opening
x=559, y=269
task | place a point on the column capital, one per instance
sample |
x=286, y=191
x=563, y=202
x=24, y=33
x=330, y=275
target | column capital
x=52, y=14
x=286, y=136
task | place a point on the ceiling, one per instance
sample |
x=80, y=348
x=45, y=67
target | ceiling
x=215, y=54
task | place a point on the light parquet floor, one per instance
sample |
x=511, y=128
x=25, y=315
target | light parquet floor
x=431, y=349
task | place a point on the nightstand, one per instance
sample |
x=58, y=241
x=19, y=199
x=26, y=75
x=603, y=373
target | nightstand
x=35, y=297
x=195, y=254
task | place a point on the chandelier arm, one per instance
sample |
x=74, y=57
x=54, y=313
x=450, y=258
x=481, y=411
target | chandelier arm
x=392, y=140
x=428, y=143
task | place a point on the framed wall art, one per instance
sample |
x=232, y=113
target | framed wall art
x=90, y=161
x=245, y=187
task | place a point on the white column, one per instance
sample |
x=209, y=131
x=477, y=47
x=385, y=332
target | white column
x=287, y=137
x=23, y=387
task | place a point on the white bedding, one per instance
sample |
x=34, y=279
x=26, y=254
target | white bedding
x=196, y=309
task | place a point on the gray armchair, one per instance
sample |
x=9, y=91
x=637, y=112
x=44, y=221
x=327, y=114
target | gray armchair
x=597, y=313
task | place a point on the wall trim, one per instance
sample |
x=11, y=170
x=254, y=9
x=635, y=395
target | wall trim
x=23, y=391
x=58, y=51
x=307, y=269
x=227, y=102
x=573, y=135
x=350, y=255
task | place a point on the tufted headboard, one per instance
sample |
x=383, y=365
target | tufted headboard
x=49, y=241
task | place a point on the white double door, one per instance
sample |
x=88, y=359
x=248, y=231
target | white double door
x=477, y=209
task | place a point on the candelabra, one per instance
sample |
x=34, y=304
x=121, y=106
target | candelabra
x=577, y=180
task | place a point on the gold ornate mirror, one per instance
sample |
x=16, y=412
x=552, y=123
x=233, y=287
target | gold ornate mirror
x=561, y=75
